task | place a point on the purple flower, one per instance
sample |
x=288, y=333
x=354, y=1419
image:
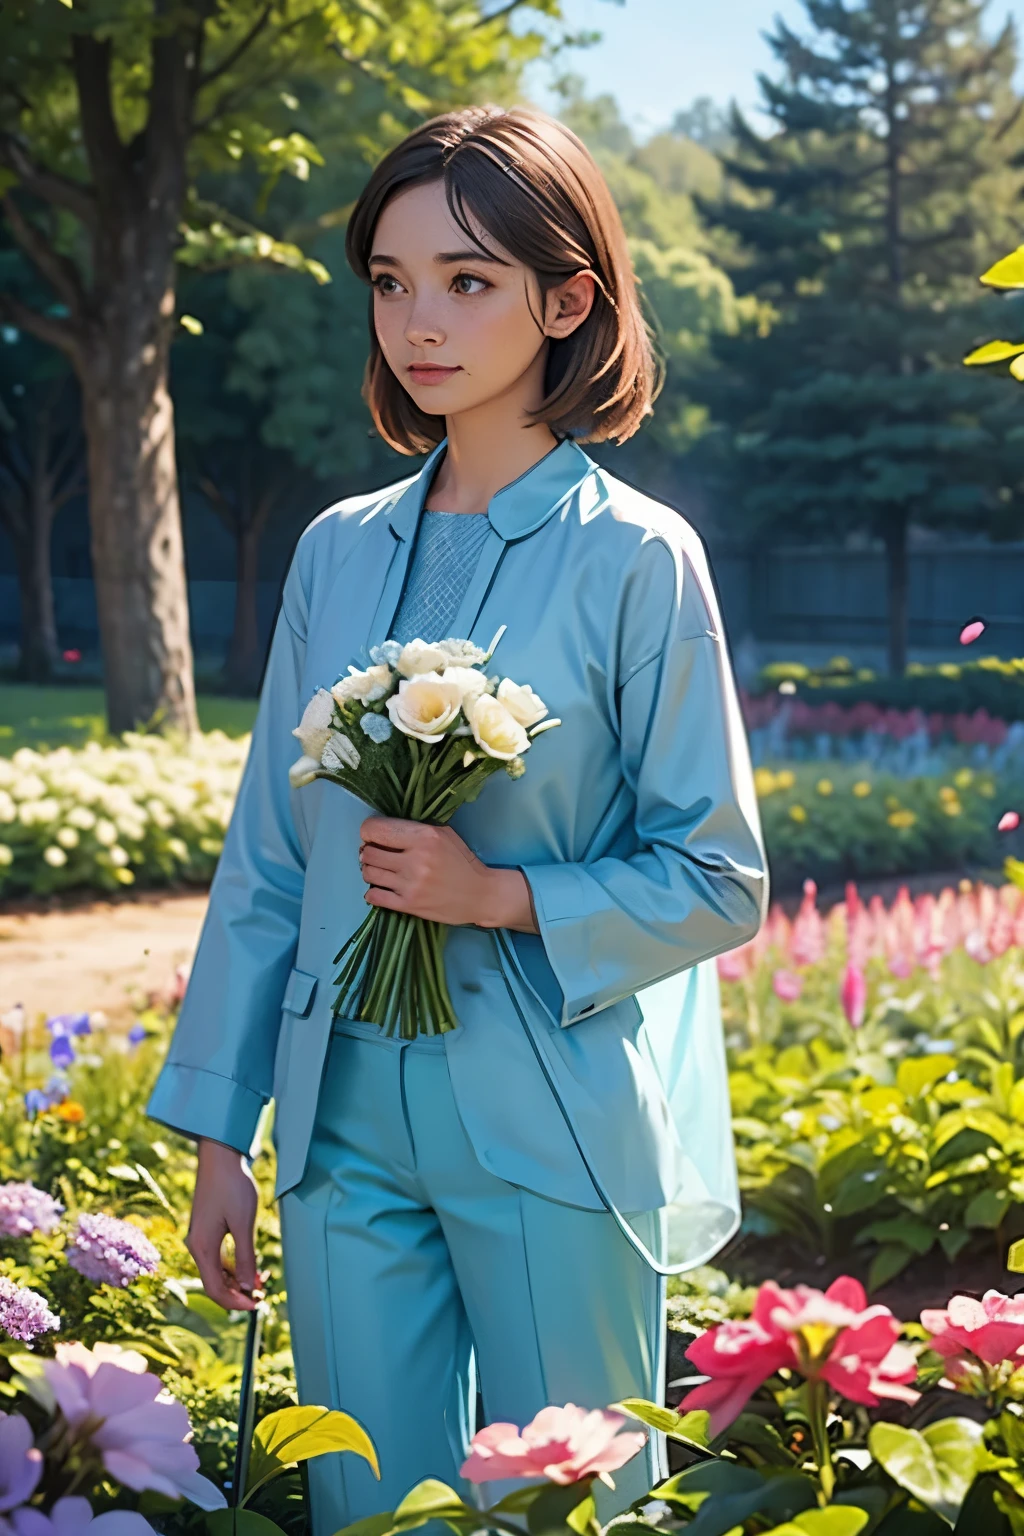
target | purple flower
x=36, y=1100
x=21, y=1464
x=136, y=1033
x=24, y=1313
x=25, y=1209
x=62, y=1052
x=111, y=1251
x=74, y=1517
x=68, y=1024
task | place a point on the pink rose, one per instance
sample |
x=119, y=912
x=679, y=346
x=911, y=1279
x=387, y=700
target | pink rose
x=564, y=1445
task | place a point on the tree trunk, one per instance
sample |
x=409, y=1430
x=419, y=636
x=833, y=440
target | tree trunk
x=38, y=650
x=135, y=523
x=245, y=657
x=898, y=586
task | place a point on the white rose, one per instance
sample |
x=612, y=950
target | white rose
x=367, y=687
x=418, y=657
x=496, y=730
x=462, y=653
x=424, y=707
x=340, y=752
x=521, y=702
x=315, y=726
x=468, y=680
x=304, y=771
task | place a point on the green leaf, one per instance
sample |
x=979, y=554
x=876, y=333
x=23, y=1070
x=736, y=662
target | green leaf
x=837, y=1521
x=954, y=1242
x=1015, y=1257
x=1007, y=272
x=911, y=1231
x=549, y=1513
x=887, y=1263
x=740, y=1492
x=690, y=1428
x=580, y=1518
x=993, y=352
x=30, y=1378
x=240, y=1522
x=297, y=1434
x=937, y=1465
x=919, y=1073
x=988, y=1208
x=430, y=1500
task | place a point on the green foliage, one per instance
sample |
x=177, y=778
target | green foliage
x=936, y=1465
x=44, y=718
x=948, y=688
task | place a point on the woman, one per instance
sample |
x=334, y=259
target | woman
x=489, y=1204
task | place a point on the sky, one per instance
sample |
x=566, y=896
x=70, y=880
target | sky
x=658, y=55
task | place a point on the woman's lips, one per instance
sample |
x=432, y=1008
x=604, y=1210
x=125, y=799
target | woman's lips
x=431, y=373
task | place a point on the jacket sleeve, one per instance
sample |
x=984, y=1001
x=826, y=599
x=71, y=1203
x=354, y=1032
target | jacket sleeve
x=696, y=884
x=219, y=1069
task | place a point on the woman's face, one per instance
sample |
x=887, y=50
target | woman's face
x=454, y=325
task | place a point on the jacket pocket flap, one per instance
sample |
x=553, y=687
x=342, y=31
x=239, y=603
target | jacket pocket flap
x=298, y=994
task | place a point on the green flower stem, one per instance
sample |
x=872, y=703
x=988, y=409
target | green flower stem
x=817, y=1414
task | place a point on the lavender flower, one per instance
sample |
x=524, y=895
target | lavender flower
x=136, y=1034
x=25, y=1209
x=68, y=1024
x=73, y=1516
x=377, y=727
x=21, y=1463
x=62, y=1052
x=24, y=1313
x=111, y=1251
x=36, y=1100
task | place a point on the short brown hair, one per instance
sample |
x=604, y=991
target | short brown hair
x=533, y=186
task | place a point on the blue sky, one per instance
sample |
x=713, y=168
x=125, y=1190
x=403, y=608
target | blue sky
x=657, y=55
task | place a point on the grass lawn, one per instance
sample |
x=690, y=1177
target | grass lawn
x=31, y=716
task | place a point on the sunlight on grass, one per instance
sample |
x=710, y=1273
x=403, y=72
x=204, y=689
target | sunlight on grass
x=54, y=717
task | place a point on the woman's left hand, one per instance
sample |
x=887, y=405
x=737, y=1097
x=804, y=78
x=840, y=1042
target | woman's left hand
x=429, y=872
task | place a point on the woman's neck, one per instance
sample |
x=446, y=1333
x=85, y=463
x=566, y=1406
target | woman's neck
x=480, y=459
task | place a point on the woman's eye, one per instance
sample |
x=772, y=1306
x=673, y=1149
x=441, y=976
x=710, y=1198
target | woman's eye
x=463, y=279
x=381, y=279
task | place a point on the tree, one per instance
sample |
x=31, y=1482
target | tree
x=111, y=114
x=41, y=469
x=861, y=221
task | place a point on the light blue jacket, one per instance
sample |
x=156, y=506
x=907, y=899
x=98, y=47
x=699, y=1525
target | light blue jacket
x=588, y=1065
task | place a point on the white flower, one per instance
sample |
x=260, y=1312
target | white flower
x=462, y=653
x=424, y=707
x=314, y=728
x=106, y=833
x=521, y=702
x=418, y=657
x=304, y=771
x=55, y=857
x=468, y=680
x=67, y=837
x=118, y=857
x=6, y=855
x=8, y=810
x=367, y=687
x=340, y=752
x=496, y=730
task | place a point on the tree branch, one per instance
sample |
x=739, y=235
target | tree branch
x=104, y=148
x=500, y=13
x=59, y=272
x=53, y=188
x=55, y=332
x=241, y=47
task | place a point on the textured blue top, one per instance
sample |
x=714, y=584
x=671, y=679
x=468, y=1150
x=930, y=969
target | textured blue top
x=448, y=546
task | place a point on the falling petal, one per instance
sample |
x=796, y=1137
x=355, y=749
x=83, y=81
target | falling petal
x=972, y=631
x=1009, y=821
x=788, y=686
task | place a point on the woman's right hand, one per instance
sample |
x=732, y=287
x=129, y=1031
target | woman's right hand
x=225, y=1201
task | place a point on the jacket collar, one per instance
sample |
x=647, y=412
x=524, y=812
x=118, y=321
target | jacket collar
x=517, y=509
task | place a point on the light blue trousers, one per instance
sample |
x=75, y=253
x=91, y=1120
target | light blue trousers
x=412, y=1273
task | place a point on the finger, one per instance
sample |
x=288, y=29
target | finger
x=379, y=896
x=245, y=1256
x=380, y=858
x=390, y=831
x=218, y=1283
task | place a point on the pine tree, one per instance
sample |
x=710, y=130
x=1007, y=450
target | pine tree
x=862, y=219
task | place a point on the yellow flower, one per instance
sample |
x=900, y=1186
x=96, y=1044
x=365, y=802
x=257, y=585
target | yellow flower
x=947, y=792
x=797, y=813
x=71, y=1111
x=952, y=807
x=963, y=777
x=764, y=782
x=862, y=789
x=785, y=779
x=901, y=818
x=824, y=786
x=988, y=790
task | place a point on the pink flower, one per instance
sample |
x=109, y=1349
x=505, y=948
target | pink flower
x=562, y=1444
x=831, y=1336
x=807, y=942
x=992, y=1330
x=853, y=994
x=787, y=986
x=734, y=964
x=1009, y=821
x=110, y=1399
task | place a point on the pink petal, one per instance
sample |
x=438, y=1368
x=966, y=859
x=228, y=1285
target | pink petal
x=725, y=1399
x=1009, y=821
x=848, y=1292
x=972, y=631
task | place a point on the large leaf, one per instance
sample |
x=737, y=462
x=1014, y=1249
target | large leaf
x=837, y=1521
x=431, y=1500
x=240, y=1522
x=887, y=1263
x=936, y=1465
x=917, y=1074
x=738, y=1492
x=297, y=1434
x=994, y=352
x=1007, y=272
x=988, y=1208
x=549, y=1513
x=690, y=1428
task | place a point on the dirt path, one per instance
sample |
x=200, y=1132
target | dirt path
x=106, y=955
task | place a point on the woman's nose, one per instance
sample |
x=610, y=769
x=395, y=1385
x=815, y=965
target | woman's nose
x=424, y=327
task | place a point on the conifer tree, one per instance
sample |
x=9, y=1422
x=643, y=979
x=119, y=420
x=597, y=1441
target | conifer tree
x=862, y=218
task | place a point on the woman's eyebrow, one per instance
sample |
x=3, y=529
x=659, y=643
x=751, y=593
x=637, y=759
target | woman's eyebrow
x=443, y=258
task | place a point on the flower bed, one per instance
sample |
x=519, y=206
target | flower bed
x=877, y=1077
x=949, y=688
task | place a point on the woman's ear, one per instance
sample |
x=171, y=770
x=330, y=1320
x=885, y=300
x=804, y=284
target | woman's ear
x=568, y=305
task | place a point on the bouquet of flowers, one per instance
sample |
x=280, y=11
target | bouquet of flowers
x=414, y=735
